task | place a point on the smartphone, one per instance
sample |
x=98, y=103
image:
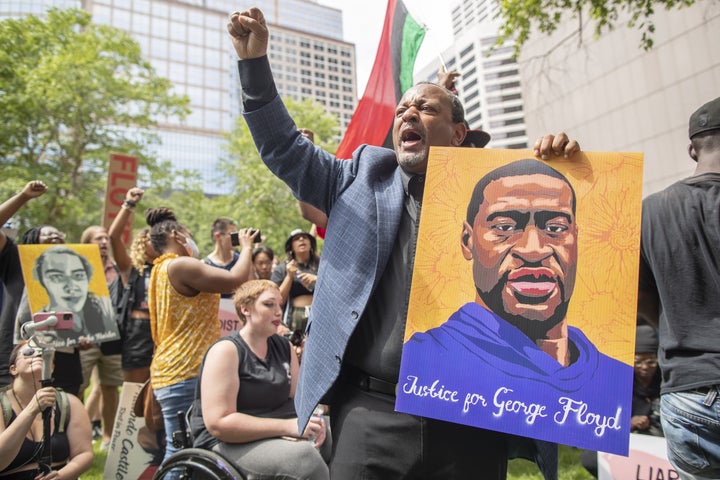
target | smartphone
x=64, y=319
x=235, y=240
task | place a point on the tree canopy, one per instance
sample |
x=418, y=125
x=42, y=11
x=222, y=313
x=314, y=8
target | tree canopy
x=70, y=93
x=519, y=17
x=261, y=200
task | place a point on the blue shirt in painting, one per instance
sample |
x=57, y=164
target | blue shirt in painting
x=478, y=369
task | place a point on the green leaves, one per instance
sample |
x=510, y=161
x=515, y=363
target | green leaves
x=520, y=17
x=261, y=200
x=69, y=90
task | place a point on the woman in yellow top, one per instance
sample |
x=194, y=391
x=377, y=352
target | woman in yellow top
x=183, y=299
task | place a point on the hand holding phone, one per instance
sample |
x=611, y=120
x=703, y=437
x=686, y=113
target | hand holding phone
x=235, y=237
x=64, y=320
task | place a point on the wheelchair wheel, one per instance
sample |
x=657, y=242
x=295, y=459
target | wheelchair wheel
x=196, y=463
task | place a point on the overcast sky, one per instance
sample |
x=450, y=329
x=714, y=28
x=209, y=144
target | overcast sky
x=363, y=21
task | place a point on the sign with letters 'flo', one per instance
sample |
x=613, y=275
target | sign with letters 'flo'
x=523, y=302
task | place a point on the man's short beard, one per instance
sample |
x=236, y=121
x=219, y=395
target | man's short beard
x=411, y=160
x=534, y=329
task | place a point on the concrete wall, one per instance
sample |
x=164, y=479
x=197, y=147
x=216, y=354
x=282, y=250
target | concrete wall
x=613, y=96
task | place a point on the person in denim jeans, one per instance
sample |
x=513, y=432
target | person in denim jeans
x=679, y=278
x=183, y=301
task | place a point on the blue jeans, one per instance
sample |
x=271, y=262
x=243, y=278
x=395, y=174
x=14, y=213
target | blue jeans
x=691, y=421
x=173, y=399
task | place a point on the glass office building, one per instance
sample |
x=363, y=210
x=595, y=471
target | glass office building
x=490, y=83
x=187, y=42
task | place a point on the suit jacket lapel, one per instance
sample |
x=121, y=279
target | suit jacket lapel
x=389, y=204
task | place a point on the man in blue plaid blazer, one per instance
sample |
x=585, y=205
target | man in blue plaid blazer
x=354, y=336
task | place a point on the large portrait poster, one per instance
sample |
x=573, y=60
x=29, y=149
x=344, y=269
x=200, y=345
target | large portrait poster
x=69, y=279
x=523, y=302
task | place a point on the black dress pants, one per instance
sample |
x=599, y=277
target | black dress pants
x=372, y=441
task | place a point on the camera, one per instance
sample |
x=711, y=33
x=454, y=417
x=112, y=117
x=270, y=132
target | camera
x=235, y=240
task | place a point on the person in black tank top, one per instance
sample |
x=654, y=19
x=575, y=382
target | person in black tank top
x=250, y=418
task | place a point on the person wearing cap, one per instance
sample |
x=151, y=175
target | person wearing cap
x=678, y=291
x=646, y=383
x=296, y=278
x=473, y=138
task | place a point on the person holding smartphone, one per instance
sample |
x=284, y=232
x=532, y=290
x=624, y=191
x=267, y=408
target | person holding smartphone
x=296, y=278
x=224, y=255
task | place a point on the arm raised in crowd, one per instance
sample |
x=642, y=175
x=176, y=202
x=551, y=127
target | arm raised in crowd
x=249, y=33
x=8, y=208
x=120, y=254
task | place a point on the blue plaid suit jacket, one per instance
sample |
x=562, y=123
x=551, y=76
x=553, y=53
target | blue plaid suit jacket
x=363, y=198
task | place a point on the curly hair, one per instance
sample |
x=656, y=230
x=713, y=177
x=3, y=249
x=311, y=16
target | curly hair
x=138, y=252
x=162, y=222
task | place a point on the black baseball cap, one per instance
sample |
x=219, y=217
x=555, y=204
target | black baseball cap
x=475, y=138
x=705, y=118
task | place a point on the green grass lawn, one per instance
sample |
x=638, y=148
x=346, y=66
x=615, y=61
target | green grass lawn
x=570, y=468
x=96, y=472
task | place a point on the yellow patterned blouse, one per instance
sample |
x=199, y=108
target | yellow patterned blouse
x=183, y=328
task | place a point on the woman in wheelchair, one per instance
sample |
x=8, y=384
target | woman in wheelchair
x=243, y=406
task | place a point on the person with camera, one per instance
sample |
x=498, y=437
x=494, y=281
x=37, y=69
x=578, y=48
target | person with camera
x=21, y=423
x=296, y=278
x=224, y=255
x=183, y=301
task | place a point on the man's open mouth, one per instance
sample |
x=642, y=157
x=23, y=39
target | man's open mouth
x=410, y=137
x=532, y=285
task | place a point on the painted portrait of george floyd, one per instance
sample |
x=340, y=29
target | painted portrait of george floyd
x=522, y=308
x=69, y=279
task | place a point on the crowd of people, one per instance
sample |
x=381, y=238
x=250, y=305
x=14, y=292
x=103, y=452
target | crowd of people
x=166, y=306
x=345, y=313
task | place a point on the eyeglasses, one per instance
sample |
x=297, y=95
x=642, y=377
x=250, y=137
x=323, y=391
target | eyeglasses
x=648, y=362
x=53, y=234
x=31, y=352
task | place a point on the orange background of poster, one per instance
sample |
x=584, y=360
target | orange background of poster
x=36, y=293
x=608, y=187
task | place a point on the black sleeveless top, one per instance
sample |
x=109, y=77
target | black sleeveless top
x=140, y=288
x=60, y=447
x=264, y=386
